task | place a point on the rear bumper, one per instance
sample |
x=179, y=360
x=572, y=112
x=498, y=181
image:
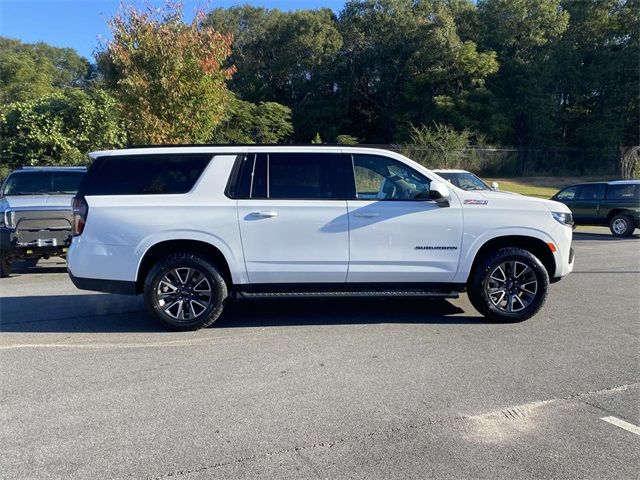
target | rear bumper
x=100, y=285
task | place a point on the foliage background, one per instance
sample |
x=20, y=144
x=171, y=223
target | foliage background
x=517, y=86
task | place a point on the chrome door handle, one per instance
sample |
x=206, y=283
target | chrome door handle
x=264, y=214
x=366, y=214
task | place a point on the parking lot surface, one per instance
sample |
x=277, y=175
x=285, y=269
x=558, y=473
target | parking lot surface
x=92, y=388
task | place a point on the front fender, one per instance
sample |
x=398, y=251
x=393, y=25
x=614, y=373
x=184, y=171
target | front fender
x=471, y=245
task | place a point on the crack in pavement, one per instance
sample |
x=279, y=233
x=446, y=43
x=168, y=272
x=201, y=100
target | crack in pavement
x=433, y=421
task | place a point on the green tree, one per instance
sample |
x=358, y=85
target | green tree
x=59, y=128
x=246, y=122
x=29, y=71
x=285, y=57
x=596, y=76
x=403, y=61
x=523, y=33
x=168, y=76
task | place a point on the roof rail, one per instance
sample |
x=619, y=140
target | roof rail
x=53, y=167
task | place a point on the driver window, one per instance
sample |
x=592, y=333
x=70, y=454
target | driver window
x=381, y=178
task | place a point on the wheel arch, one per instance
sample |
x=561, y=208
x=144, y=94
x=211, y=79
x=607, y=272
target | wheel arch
x=163, y=248
x=619, y=211
x=535, y=245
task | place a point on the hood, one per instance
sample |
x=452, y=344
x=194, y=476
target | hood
x=552, y=205
x=35, y=201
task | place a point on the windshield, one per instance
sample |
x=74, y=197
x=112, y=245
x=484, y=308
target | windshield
x=464, y=180
x=40, y=183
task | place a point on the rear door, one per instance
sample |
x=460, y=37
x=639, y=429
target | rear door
x=292, y=212
x=397, y=234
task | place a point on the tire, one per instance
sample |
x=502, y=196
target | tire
x=511, y=300
x=182, y=280
x=622, y=226
x=5, y=265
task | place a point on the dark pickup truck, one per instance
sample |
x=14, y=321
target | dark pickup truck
x=616, y=204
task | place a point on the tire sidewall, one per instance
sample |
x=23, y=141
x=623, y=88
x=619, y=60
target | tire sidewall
x=218, y=287
x=482, y=278
x=629, y=223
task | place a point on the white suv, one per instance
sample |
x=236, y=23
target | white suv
x=190, y=227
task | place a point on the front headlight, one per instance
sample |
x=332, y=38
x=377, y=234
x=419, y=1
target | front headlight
x=563, y=217
x=8, y=217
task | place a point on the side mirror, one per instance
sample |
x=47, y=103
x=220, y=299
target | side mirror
x=439, y=192
x=495, y=186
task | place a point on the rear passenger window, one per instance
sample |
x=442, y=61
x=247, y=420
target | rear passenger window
x=622, y=192
x=591, y=192
x=144, y=174
x=307, y=176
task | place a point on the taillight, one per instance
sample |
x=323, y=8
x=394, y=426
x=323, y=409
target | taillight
x=80, y=210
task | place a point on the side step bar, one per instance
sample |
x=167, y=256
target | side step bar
x=387, y=293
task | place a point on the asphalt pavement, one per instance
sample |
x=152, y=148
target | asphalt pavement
x=91, y=387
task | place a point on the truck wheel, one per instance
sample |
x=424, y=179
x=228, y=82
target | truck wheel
x=509, y=285
x=185, y=291
x=622, y=226
x=5, y=265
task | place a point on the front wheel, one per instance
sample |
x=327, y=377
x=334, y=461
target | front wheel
x=622, y=226
x=509, y=285
x=185, y=291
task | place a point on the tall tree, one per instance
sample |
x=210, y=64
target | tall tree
x=168, y=76
x=523, y=33
x=284, y=57
x=29, y=71
x=596, y=76
x=404, y=61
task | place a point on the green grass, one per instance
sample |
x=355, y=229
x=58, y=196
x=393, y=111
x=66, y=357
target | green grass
x=542, y=187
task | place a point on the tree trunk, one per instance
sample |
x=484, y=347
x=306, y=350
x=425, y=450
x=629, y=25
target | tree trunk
x=628, y=161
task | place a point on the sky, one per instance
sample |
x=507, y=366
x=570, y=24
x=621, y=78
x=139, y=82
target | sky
x=80, y=23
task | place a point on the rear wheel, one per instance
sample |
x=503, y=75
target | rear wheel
x=509, y=285
x=622, y=226
x=185, y=291
x=5, y=265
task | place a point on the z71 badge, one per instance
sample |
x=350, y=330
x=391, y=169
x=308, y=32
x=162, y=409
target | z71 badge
x=475, y=201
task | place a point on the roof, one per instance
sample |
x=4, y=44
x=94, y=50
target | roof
x=448, y=170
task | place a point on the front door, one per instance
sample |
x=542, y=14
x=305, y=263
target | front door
x=293, y=217
x=586, y=203
x=396, y=233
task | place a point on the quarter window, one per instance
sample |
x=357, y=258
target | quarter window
x=624, y=191
x=144, y=174
x=381, y=178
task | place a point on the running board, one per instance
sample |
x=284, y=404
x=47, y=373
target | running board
x=388, y=293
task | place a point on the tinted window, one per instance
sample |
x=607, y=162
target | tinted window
x=37, y=183
x=567, y=193
x=144, y=174
x=591, y=192
x=307, y=176
x=381, y=178
x=622, y=192
x=252, y=178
